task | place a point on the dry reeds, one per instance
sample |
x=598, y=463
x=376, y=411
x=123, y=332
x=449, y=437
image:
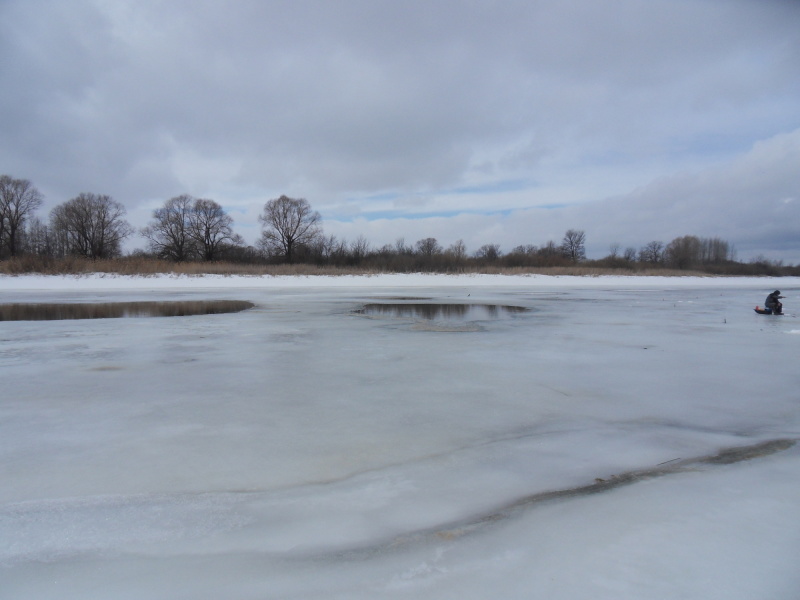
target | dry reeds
x=145, y=266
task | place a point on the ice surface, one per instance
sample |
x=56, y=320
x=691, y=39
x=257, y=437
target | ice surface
x=300, y=449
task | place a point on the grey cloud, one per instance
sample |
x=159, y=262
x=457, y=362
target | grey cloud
x=341, y=100
x=753, y=202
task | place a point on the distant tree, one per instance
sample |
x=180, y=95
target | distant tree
x=168, y=231
x=652, y=253
x=549, y=250
x=91, y=225
x=683, y=252
x=765, y=266
x=359, y=249
x=715, y=251
x=289, y=223
x=386, y=250
x=548, y=255
x=401, y=248
x=340, y=250
x=488, y=252
x=36, y=238
x=573, y=246
x=629, y=254
x=211, y=229
x=428, y=247
x=455, y=257
x=18, y=199
x=325, y=247
x=520, y=256
x=613, y=250
x=525, y=249
x=457, y=251
x=690, y=251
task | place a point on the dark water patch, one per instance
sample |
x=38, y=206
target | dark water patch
x=441, y=312
x=402, y=298
x=116, y=310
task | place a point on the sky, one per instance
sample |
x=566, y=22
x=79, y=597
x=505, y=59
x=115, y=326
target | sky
x=490, y=122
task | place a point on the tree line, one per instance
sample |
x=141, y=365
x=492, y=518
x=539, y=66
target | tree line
x=196, y=229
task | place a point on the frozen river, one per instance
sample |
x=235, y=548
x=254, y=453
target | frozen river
x=546, y=438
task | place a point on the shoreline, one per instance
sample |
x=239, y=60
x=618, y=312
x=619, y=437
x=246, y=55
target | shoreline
x=114, y=282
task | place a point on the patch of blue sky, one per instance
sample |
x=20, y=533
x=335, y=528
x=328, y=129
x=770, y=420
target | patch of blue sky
x=553, y=206
x=490, y=187
x=493, y=187
x=378, y=215
x=487, y=188
x=389, y=215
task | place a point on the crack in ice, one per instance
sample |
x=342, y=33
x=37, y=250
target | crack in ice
x=470, y=525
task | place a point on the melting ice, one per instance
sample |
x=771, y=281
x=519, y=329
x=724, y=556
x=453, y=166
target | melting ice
x=605, y=438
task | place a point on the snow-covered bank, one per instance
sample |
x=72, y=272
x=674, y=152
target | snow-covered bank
x=99, y=281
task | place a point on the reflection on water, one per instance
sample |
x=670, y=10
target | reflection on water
x=447, y=312
x=115, y=310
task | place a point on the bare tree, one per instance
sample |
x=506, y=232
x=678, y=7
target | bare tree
x=18, y=199
x=168, y=232
x=573, y=246
x=339, y=250
x=525, y=250
x=488, y=252
x=549, y=249
x=629, y=254
x=520, y=256
x=401, y=248
x=716, y=250
x=652, y=253
x=289, y=223
x=92, y=225
x=186, y=228
x=210, y=228
x=37, y=239
x=428, y=247
x=683, y=252
x=457, y=251
x=359, y=249
x=324, y=247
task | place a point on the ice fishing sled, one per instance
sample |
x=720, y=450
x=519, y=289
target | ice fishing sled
x=765, y=311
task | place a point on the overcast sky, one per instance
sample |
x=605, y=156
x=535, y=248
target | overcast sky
x=506, y=121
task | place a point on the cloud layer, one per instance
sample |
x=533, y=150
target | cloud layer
x=492, y=122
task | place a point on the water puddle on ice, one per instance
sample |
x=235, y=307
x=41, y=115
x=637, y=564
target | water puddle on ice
x=442, y=317
x=116, y=310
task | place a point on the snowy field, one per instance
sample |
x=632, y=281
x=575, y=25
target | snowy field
x=622, y=438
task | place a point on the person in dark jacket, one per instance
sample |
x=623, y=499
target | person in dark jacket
x=773, y=304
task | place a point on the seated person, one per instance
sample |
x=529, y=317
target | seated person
x=773, y=304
